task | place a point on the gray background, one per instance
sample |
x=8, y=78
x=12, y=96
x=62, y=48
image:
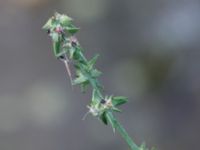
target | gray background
x=149, y=52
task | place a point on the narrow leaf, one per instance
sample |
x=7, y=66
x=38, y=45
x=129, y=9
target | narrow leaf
x=111, y=120
x=116, y=109
x=47, y=25
x=71, y=53
x=84, y=86
x=72, y=29
x=55, y=37
x=119, y=100
x=95, y=96
x=103, y=118
x=56, y=48
x=80, y=79
x=65, y=20
x=92, y=62
x=95, y=73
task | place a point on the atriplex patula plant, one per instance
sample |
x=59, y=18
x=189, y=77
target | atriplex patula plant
x=67, y=49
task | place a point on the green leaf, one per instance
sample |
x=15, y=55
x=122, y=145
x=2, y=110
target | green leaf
x=80, y=79
x=55, y=37
x=95, y=73
x=92, y=62
x=65, y=20
x=56, y=48
x=111, y=120
x=76, y=54
x=103, y=118
x=84, y=86
x=71, y=52
x=48, y=24
x=119, y=100
x=64, y=50
x=72, y=29
x=95, y=96
x=116, y=109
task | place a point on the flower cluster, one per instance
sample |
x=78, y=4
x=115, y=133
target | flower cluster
x=100, y=107
x=58, y=27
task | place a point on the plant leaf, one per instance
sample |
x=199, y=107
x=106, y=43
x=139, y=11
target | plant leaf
x=104, y=118
x=47, y=25
x=55, y=37
x=111, y=120
x=95, y=96
x=56, y=48
x=119, y=100
x=116, y=109
x=65, y=20
x=80, y=79
x=72, y=29
x=92, y=62
x=95, y=73
x=84, y=86
x=71, y=52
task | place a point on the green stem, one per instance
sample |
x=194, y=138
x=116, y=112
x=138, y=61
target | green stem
x=123, y=132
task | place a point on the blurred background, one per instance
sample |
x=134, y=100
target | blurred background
x=149, y=52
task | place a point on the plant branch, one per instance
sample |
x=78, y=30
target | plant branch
x=65, y=45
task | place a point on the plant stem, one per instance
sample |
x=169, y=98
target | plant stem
x=123, y=133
